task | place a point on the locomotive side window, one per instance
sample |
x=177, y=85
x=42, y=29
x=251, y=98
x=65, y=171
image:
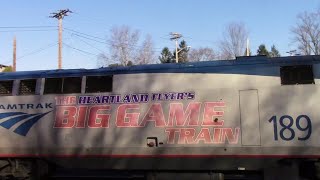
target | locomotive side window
x=27, y=87
x=53, y=86
x=302, y=74
x=95, y=84
x=6, y=88
x=71, y=85
x=62, y=85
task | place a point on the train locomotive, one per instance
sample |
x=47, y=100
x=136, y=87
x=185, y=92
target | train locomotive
x=249, y=118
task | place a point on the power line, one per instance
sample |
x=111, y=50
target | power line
x=99, y=41
x=38, y=50
x=80, y=34
x=29, y=30
x=89, y=38
x=24, y=27
x=34, y=51
x=107, y=43
x=89, y=44
x=110, y=43
x=84, y=34
x=86, y=52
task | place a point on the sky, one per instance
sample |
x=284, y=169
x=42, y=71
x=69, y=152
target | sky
x=201, y=23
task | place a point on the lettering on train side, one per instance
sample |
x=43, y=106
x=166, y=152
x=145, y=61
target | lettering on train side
x=23, y=106
x=130, y=115
x=184, y=121
x=290, y=128
x=127, y=98
x=214, y=135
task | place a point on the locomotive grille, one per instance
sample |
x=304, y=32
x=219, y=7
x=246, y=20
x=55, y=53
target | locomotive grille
x=302, y=74
x=27, y=87
x=6, y=88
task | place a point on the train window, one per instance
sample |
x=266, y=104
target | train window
x=27, y=86
x=302, y=74
x=62, y=85
x=6, y=88
x=71, y=85
x=95, y=84
x=53, y=86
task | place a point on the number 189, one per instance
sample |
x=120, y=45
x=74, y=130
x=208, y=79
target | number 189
x=286, y=122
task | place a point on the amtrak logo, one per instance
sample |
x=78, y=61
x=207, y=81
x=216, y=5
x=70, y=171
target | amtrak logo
x=13, y=118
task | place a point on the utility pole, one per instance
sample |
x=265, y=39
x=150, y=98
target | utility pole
x=176, y=36
x=60, y=15
x=14, y=54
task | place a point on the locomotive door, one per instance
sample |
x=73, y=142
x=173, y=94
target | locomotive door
x=249, y=117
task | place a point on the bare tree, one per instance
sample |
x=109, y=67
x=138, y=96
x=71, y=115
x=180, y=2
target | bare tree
x=103, y=60
x=234, y=42
x=201, y=54
x=146, y=52
x=123, y=42
x=307, y=33
x=123, y=46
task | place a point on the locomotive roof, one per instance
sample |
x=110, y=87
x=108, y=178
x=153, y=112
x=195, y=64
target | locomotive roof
x=242, y=65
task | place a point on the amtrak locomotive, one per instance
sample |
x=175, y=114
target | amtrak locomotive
x=249, y=118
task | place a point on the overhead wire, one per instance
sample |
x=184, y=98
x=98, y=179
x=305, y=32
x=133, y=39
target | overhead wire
x=88, y=38
x=83, y=34
x=38, y=50
x=77, y=49
x=89, y=44
x=34, y=30
x=24, y=27
x=34, y=52
x=90, y=56
x=38, y=28
x=111, y=43
x=72, y=47
x=99, y=41
x=27, y=28
x=80, y=36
